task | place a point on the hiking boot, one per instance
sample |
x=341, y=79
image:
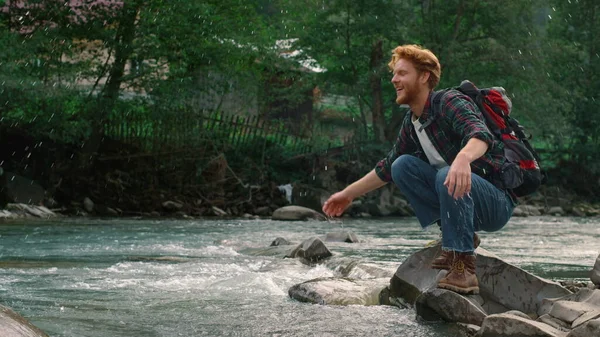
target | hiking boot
x=445, y=260
x=461, y=278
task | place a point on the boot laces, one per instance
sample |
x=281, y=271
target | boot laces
x=458, y=266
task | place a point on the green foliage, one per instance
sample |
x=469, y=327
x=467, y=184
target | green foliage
x=55, y=114
x=64, y=72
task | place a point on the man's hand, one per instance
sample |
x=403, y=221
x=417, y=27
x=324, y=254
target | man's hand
x=458, y=180
x=337, y=204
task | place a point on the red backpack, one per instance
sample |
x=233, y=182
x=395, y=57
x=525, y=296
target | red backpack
x=521, y=173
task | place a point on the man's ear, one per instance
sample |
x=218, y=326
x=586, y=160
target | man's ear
x=425, y=77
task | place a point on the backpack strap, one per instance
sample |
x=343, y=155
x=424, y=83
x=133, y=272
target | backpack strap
x=435, y=106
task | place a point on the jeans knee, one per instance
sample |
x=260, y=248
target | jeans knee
x=401, y=166
x=440, y=177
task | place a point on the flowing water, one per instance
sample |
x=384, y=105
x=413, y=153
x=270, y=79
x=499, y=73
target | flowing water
x=116, y=277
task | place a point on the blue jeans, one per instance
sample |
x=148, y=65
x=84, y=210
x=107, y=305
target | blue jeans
x=485, y=208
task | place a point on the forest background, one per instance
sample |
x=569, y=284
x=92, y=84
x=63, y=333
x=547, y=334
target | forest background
x=213, y=104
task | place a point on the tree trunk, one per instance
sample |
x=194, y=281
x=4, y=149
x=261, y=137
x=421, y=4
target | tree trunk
x=376, y=94
x=110, y=93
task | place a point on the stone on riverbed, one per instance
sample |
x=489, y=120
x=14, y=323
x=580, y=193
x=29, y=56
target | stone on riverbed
x=14, y=325
x=342, y=236
x=296, y=213
x=339, y=291
x=311, y=250
x=280, y=242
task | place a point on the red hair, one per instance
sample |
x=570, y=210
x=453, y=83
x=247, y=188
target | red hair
x=423, y=59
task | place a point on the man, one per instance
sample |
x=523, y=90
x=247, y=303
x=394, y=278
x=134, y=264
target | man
x=445, y=161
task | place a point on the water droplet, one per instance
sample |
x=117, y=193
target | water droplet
x=520, y=52
x=325, y=167
x=549, y=16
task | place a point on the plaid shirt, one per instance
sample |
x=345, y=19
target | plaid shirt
x=449, y=129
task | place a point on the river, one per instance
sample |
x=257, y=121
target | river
x=139, y=277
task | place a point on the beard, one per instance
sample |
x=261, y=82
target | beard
x=408, y=94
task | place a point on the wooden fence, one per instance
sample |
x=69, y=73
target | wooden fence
x=173, y=131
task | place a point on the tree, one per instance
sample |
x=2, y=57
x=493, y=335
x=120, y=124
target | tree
x=350, y=40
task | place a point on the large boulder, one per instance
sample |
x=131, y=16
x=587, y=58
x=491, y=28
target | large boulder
x=297, y=213
x=18, y=189
x=339, y=291
x=503, y=287
x=14, y=325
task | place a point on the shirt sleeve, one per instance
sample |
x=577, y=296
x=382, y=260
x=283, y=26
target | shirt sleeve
x=403, y=145
x=466, y=119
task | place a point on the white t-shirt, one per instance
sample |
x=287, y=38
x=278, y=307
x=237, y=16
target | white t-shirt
x=435, y=159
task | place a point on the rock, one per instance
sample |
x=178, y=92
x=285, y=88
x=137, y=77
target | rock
x=88, y=205
x=34, y=211
x=517, y=313
x=14, y=325
x=172, y=206
x=569, y=311
x=436, y=303
x=281, y=251
x=111, y=211
x=343, y=236
x=219, y=212
x=577, y=211
x=556, y=211
x=414, y=275
x=518, y=211
x=355, y=268
x=263, y=211
x=584, y=295
x=295, y=213
x=527, y=210
x=280, y=241
x=554, y=322
x=339, y=291
x=502, y=286
x=311, y=250
x=469, y=329
x=28, y=210
x=18, y=189
x=589, y=329
x=588, y=316
x=595, y=277
x=508, y=325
